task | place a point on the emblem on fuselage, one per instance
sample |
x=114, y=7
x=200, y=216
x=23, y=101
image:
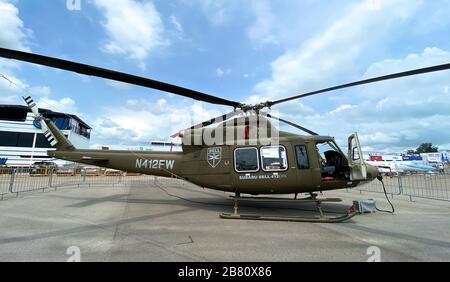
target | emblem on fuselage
x=214, y=156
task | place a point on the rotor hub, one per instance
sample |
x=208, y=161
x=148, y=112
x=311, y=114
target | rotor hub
x=257, y=107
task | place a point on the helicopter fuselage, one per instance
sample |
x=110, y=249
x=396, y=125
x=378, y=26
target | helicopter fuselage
x=292, y=165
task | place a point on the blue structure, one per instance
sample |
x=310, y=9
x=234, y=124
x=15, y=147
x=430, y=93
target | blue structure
x=61, y=122
x=445, y=158
x=412, y=158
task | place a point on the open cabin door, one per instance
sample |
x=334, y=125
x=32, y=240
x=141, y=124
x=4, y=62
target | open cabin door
x=356, y=159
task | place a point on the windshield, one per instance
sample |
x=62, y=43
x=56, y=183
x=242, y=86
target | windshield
x=327, y=146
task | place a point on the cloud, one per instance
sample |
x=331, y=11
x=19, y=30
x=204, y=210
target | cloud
x=142, y=121
x=134, y=28
x=8, y=81
x=262, y=30
x=65, y=105
x=222, y=72
x=118, y=85
x=218, y=12
x=176, y=23
x=13, y=33
x=12, y=89
x=390, y=115
x=334, y=53
x=394, y=115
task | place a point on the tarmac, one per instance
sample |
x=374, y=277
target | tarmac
x=180, y=222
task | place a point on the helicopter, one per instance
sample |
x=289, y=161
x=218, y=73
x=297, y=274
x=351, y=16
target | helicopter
x=241, y=152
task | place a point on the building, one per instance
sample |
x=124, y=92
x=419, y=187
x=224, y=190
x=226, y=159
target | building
x=22, y=141
x=432, y=158
x=155, y=146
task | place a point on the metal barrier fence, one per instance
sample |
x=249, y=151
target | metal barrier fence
x=5, y=181
x=20, y=180
x=425, y=185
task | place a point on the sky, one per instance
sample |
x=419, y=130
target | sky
x=243, y=50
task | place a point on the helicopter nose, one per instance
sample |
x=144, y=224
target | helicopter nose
x=372, y=172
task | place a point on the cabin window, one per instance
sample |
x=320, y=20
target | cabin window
x=246, y=160
x=274, y=158
x=302, y=157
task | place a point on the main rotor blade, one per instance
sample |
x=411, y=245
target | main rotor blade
x=113, y=75
x=366, y=81
x=290, y=123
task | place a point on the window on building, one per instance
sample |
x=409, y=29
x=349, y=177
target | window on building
x=25, y=140
x=10, y=113
x=274, y=158
x=8, y=139
x=302, y=157
x=16, y=139
x=42, y=142
x=246, y=160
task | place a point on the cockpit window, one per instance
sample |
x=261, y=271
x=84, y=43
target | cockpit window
x=333, y=163
x=323, y=148
x=302, y=157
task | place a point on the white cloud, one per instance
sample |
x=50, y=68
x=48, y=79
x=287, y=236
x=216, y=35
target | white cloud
x=333, y=54
x=374, y=4
x=66, y=105
x=142, y=121
x=218, y=12
x=13, y=33
x=222, y=72
x=262, y=30
x=176, y=23
x=40, y=90
x=118, y=85
x=398, y=114
x=134, y=28
x=389, y=115
x=10, y=85
x=12, y=89
x=342, y=108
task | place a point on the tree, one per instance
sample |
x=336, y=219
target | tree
x=427, y=148
x=410, y=152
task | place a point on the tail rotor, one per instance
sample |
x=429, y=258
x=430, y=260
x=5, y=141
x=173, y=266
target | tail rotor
x=35, y=110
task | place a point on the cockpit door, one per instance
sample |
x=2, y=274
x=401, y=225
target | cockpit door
x=356, y=158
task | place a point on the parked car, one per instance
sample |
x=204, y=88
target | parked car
x=67, y=170
x=90, y=171
x=42, y=168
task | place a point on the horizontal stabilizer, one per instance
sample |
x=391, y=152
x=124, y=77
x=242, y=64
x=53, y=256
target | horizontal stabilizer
x=93, y=160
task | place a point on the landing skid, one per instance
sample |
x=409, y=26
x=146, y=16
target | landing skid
x=321, y=218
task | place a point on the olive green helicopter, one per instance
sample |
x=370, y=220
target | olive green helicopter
x=241, y=152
